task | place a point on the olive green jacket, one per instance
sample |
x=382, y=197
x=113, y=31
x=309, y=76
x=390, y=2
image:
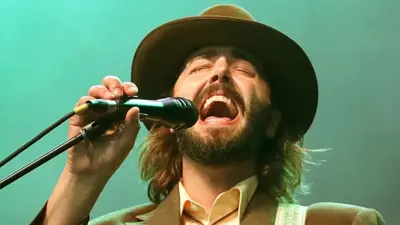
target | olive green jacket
x=258, y=212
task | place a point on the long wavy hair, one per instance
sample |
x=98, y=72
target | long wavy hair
x=280, y=164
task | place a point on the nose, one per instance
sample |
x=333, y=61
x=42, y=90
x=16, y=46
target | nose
x=221, y=71
x=221, y=77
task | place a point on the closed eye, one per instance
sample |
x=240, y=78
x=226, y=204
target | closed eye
x=245, y=71
x=200, y=68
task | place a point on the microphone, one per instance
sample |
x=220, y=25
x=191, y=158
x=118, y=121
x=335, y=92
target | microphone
x=176, y=113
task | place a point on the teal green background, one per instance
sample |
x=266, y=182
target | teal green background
x=51, y=52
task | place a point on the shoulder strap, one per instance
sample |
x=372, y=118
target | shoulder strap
x=291, y=214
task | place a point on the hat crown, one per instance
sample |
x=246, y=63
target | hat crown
x=227, y=10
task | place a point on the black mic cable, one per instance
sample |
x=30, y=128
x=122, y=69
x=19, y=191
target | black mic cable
x=78, y=110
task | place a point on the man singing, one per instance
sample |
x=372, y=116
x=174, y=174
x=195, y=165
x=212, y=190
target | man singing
x=241, y=162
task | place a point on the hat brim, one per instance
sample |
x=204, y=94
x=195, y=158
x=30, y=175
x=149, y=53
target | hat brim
x=160, y=56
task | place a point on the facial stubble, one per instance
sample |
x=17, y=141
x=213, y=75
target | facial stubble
x=222, y=146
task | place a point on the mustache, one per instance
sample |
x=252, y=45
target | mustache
x=228, y=89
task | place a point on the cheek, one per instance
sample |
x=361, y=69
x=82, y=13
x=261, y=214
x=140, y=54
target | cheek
x=186, y=88
x=258, y=88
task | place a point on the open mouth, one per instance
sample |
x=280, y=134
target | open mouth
x=219, y=109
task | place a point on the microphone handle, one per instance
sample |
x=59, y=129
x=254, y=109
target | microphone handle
x=147, y=107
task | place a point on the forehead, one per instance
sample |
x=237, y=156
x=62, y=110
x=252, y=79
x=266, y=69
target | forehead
x=218, y=51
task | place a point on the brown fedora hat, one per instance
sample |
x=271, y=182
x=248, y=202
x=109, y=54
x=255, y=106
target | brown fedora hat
x=160, y=57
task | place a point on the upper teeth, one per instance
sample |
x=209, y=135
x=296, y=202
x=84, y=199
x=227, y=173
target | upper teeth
x=217, y=98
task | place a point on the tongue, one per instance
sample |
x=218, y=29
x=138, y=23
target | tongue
x=219, y=110
x=217, y=120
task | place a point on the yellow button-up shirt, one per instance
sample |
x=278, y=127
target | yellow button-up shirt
x=228, y=207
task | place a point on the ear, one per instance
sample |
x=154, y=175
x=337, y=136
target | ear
x=273, y=123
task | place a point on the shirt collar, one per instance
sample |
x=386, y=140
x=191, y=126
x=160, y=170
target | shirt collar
x=246, y=190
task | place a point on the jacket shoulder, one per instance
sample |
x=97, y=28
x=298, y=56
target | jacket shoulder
x=331, y=213
x=138, y=213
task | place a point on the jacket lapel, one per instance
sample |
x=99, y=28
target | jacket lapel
x=260, y=211
x=167, y=212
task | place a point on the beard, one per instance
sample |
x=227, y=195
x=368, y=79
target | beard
x=223, y=146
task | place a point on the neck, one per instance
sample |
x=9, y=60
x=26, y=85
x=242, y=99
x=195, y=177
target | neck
x=204, y=183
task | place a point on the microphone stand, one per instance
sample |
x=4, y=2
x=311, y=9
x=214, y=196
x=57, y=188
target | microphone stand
x=90, y=132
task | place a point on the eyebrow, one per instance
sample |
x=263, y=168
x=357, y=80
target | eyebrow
x=205, y=53
x=234, y=52
x=210, y=53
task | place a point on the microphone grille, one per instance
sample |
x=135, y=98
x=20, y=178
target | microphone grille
x=185, y=103
x=191, y=112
